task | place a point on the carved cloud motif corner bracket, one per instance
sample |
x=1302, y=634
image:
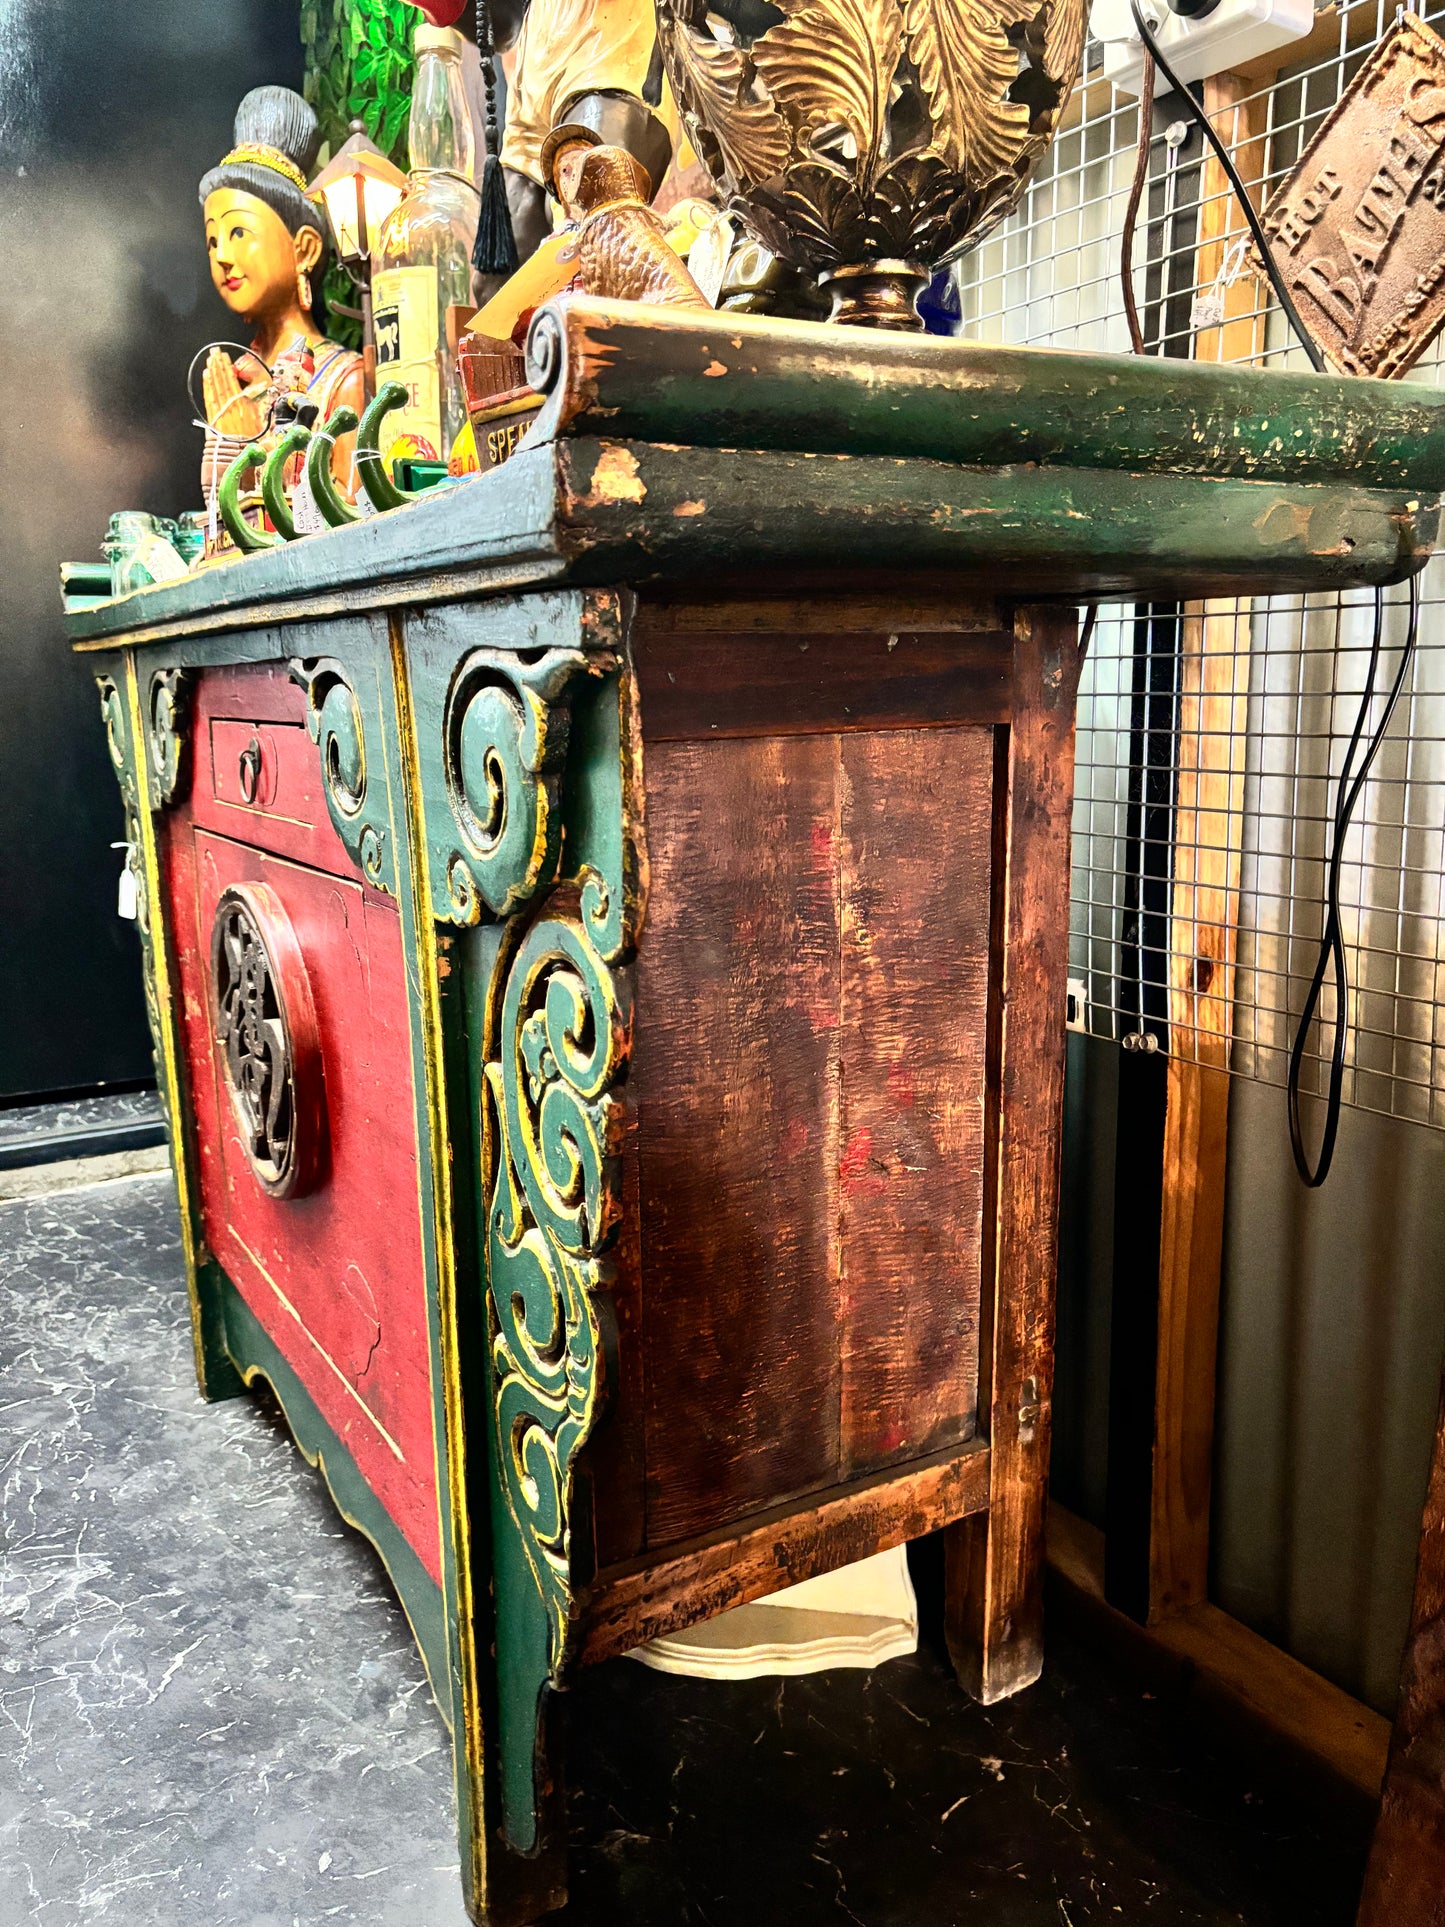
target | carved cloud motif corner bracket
x=125, y=762
x=505, y=735
x=557, y=1051
x=355, y=805
x=167, y=721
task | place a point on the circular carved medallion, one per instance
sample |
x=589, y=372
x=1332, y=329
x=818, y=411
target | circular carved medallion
x=266, y=1033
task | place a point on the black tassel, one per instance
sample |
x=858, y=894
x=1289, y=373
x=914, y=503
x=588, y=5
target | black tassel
x=496, y=245
x=496, y=248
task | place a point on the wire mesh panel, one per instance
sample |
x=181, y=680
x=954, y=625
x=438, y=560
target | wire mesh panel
x=1211, y=736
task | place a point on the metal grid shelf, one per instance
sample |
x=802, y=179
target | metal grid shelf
x=1163, y=857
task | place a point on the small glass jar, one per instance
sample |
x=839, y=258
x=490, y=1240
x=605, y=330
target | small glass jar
x=189, y=540
x=139, y=551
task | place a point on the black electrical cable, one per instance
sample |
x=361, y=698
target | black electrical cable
x=1136, y=196
x=1231, y=174
x=1332, y=957
x=1332, y=943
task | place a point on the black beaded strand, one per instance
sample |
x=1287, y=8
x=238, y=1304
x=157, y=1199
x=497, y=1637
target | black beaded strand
x=495, y=251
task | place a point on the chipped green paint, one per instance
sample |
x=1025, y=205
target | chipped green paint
x=531, y=828
x=742, y=382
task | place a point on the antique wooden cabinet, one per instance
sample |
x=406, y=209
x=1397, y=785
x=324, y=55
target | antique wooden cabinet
x=605, y=931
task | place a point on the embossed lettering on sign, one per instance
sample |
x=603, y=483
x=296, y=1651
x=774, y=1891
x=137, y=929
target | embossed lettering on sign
x=1358, y=229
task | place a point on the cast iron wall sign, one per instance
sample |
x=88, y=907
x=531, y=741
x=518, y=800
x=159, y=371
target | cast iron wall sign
x=1358, y=229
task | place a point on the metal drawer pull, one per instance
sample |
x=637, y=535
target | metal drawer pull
x=250, y=771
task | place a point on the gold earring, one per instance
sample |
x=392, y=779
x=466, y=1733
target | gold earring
x=303, y=289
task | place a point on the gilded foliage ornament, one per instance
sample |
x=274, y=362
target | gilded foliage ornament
x=871, y=141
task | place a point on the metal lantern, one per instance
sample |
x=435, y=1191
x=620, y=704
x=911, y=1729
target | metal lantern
x=358, y=189
x=870, y=141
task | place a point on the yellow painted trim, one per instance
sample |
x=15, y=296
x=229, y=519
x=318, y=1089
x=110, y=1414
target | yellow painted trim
x=154, y=938
x=321, y=1351
x=500, y=410
x=439, y=1150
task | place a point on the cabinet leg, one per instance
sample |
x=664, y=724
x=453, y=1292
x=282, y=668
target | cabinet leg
x=994, y=1588
x=993, y=1597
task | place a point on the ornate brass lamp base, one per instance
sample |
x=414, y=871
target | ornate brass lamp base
x=877, y=294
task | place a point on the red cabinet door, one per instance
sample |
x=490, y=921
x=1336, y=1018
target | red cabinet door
x=333, y=1271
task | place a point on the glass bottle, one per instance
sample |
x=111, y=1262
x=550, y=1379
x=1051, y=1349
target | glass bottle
x=422, y=291
x=138, y=548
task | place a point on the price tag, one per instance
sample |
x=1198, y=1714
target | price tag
x=127, y=903
x=305, y=511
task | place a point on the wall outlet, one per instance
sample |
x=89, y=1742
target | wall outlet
x=1212, y=43
x=1077, y=1004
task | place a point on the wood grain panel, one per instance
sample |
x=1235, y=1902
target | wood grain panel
x=917, y=817
x=995, y=1563
x=810, y=1078
x=726, y=685
x=736, y=1073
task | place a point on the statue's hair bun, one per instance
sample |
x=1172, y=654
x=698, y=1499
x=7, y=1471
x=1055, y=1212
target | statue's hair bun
x=277, y=117
x=274, y=118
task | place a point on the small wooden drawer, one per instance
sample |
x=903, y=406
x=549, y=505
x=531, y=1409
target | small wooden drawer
x=258, y=773
x=268, y=768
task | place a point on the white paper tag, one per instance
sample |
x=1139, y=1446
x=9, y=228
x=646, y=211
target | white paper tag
x=1208, y=310
x=159, y=560
x=128, y=896
x=305, y=512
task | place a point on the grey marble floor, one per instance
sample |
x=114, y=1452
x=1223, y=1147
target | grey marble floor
x=212, y=1715
x=210, y=1706
x=104, y=1108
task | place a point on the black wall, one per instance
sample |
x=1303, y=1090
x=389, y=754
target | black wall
x=109, y=115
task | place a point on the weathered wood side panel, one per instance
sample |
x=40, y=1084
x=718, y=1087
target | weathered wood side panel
x=917, y=815
x=811, y=1021
x=805, y=682
x=782, y=1547
x=736, y=1073
x=1405, y=1883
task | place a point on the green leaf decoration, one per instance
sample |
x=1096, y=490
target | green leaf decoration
x=359, y=63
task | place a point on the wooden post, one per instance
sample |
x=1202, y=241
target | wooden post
x=994, y=1605
x=1208, y=820
x=1213, y=696
x=1405, y=1881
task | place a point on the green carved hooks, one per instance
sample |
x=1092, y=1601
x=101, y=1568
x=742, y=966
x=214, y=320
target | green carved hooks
x=382, y=492
x=272, y=464
x=247, y=539
x=324, y=492
x=273, y=481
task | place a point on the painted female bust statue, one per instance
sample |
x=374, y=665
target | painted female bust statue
x=268, y=250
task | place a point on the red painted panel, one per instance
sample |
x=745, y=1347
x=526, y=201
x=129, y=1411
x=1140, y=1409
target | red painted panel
x=262, y=712
x=336, y=1277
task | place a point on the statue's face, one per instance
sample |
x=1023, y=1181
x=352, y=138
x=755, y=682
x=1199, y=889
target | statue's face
x=253, y=255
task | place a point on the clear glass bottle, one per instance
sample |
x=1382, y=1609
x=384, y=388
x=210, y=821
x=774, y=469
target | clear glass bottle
x=422, y=290
x=138, y=548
